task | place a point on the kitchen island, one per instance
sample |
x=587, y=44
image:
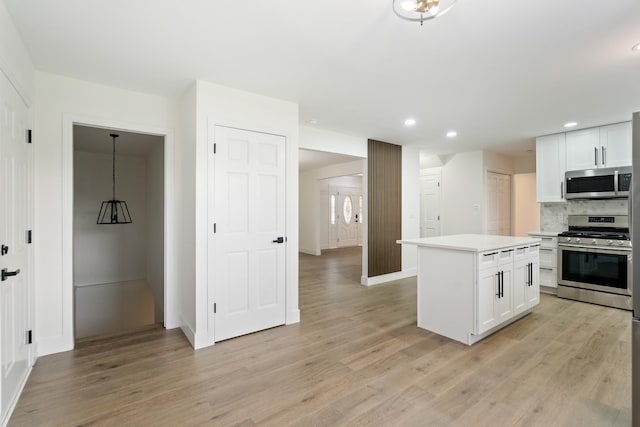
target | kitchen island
x=471, y=285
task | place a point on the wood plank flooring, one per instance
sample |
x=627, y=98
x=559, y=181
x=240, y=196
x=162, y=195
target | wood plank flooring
x=356, y=358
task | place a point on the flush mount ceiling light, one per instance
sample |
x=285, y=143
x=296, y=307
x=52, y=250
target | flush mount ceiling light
x=410, y=122
x=636, y=47
x=452, y=134
x=570, y=124
x=421, y=10
x=114, y=211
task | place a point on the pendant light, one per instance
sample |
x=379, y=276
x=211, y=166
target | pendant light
x=114, y=211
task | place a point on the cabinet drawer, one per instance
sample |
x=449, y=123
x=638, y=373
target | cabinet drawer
x=548, y=257
x=526, y=251
x=549, y=277
x=494, y=258
x=548, y=242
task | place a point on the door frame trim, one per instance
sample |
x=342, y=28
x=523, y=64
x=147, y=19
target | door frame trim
x=171, y=309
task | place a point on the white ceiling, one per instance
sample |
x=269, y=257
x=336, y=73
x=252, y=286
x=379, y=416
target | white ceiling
x=500, y=72
x=311, y=159
x=97, y=140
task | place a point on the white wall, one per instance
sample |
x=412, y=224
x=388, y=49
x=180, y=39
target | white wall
x=154, y=234
x=410, y=207
x=59, y=100
x=185, y=200
x=310, y=209
x=219, y=105
x=463, y=194
x=313, y=138
x=526, y=211
x=108, y=253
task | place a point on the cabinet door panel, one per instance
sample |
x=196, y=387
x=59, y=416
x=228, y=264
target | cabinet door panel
x=520, y=279
x=583, y=149
x=487, y=290
x=615, y=142
x=550, y=168
x=504, y=307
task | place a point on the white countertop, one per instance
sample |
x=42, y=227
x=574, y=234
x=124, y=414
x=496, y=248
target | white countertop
x=471, y=242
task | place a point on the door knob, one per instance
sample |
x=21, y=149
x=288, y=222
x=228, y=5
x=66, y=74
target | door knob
x=6, y=273
x=279, y=240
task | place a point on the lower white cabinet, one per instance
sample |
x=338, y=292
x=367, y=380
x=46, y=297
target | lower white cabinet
x=509, y=288
x=494, y=296
x=548, y=272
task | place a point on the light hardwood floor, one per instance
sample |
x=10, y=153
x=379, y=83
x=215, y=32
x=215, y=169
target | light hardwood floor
x=357, y=358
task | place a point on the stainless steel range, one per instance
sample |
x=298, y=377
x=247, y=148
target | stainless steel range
x=595, y=260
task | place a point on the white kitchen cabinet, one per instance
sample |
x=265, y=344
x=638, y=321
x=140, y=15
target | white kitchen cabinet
x=600, y=147
x=526, y=281
x=466, y=283
x=548, y=272
x=583, y=149
x=550, y=168
x=495, y=293
x=616, y=145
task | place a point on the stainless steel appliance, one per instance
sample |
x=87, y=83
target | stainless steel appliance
x=595, y=260
x=634, y=215
x=604, y=183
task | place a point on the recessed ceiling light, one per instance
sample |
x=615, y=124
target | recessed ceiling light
x=452, y=134
x=313, y=122
x=570, y=124
x=410, y=122
x=636, y=47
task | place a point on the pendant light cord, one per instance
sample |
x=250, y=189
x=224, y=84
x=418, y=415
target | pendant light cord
x=113, y=168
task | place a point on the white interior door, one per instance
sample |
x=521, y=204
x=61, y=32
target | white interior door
x=498, y=201
x=430, y=205
x=348, y=216
x=15, y=196
x=249, y=240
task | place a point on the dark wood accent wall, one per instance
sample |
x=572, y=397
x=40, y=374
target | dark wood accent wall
x=384, y=207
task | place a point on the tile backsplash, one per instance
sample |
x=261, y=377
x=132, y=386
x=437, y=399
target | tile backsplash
x=553, y=216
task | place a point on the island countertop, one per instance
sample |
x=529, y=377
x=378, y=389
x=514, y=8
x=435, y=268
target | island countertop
x=470, y=242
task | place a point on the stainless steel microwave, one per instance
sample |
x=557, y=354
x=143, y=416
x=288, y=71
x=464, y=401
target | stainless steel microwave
x=604, y=183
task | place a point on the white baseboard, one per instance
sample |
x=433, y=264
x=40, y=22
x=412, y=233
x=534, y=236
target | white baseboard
x=189, y=333
x=14, y=401
x=293, y=316
x=315, y=252
x=384, y=278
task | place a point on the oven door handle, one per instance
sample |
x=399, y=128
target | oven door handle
x=606, y=250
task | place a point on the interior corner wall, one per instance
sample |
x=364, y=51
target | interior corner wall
x=526, y=211
x=222, y=106
x=154, y=232
x=463, y=194
x=57, y=98
x=410, y=206
x=108, y=253
x=185, y=201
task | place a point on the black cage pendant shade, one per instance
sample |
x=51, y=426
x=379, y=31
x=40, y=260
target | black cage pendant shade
x=114, y=211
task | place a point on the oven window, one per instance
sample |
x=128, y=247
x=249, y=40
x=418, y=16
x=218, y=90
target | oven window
x=595, y=268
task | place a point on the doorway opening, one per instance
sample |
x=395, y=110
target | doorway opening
x=118, y=269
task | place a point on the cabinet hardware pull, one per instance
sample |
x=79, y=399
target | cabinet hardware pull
x=508, y=250
x=492, y=253
x=604, y=155
x=562, y=189
x=595, y=150
x=545, y=268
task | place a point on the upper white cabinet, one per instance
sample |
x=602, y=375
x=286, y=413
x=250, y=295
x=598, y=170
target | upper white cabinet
x=550, y=168
x=583, y=149
x=616, y=145
x=601, y=147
